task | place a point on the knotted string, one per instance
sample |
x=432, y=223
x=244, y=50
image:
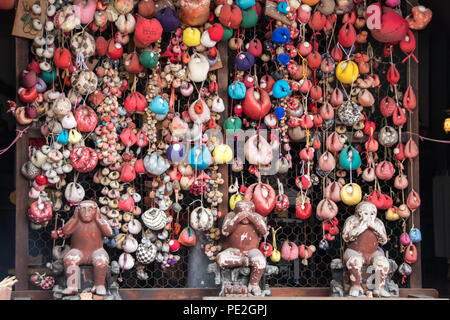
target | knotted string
x=19, y=135
x=422, y=138
x=411, y=54
x=347, y=53
x=80, y=61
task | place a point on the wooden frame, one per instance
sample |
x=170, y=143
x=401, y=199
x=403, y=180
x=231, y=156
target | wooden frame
x=22, y=224
x=413, y=168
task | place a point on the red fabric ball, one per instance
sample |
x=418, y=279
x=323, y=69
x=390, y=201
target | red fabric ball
x=216, y=32
x=41, y=180
x=115, y=49
x=393, y=27
x=62, y=58
x=101, y=46
x=230, y=16
x=147, y=31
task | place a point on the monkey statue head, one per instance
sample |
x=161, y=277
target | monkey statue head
x=87, y=210
x=366, y=211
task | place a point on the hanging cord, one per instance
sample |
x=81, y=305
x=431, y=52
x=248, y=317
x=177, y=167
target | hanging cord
x=274, y=239
x=80, y=62
x=332, y=37
x=347, y=53
x=19, y=135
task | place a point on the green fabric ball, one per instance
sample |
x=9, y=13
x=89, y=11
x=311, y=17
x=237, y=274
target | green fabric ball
x=233, y=123
x=227, y=33
x=249, y=18
x=149, y=59
x=48, y=76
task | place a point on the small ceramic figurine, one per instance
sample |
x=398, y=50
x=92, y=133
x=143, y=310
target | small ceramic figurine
x=244, y=229
x=87, y=229
x=363, y=231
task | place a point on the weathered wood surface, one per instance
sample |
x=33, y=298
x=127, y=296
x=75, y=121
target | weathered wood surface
x=413, y=168
x=21, y=259
x=212, y=293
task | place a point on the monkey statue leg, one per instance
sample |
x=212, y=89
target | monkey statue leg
x=354, y=262
x=258, y=264
x=100, y=261
x=381, y=264
x=71, y=261
x=232, y=257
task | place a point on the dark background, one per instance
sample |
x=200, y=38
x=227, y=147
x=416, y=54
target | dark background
x=434, y=73
x=434, y=99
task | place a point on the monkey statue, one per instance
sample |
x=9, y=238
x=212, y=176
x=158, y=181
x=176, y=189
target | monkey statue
x=363, y=232
x=244, y=229
x=87, y=229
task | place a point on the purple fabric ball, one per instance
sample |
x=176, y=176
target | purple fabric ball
x=176, y=152
x=244, y=61
x=40, y=86
x=28, y=79
x=168, y=19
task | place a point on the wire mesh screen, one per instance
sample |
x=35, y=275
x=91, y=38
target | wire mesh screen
x=317, y=273
x=292, y=274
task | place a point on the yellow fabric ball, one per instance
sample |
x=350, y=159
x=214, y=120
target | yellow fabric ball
x=222, y=154
x=74, y=136
x=234, y=199
x=347, y=71
x=351, y=194
x=392, y=215
x=191, y=37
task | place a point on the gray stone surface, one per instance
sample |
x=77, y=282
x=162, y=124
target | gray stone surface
x=337, y=281
x=86, y=283
x=238, y=278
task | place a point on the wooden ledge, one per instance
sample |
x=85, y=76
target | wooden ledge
x=211, y=294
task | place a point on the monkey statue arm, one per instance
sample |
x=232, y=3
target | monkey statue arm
x=258, y=221
x=103, y=225
x=378, y=228
x=231, y=222
x=70, y=226
x=353, y=227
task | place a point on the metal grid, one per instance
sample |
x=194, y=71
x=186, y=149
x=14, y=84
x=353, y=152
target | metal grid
x=316, y=274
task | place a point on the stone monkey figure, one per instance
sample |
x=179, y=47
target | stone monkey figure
x=87, y=229
x=363, y=231
x=244, y=229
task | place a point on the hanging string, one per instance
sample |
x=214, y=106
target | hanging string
x=80, y=62
x=422, y=138
x=347, y=53
x=332, y=37
x=19, y=135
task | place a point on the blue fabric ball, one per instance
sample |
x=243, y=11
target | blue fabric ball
x=279, y=113
x=283, y=7
x=281, y=35
x=159, y=105
x=283, y=59
x=281, y=89
x=239, y=90
x=349, y=162
x=200, y=159
x=245, y=4
x=415, y=235
x=63, y=137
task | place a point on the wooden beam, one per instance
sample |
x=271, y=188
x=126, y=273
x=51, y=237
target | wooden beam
x=413, y=168
x=212, y=293
x=222, y=82
x=21, y=259
x=168, y=294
